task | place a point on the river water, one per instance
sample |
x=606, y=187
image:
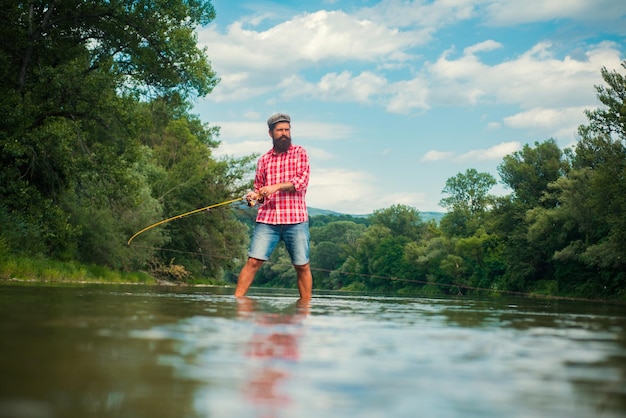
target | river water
x=140, y=351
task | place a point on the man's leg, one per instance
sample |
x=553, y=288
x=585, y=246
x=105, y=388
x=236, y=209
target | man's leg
x=264, y=240
x=305, y=281
x=246, y=275
x=297, y=240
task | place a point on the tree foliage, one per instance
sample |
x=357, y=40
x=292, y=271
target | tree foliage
x=468, y=191
x=96, y=139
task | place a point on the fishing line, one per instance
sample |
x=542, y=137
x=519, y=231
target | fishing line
x=417, y=281
x=182, y=215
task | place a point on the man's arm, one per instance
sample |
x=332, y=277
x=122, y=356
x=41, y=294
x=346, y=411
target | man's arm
x=286, y=186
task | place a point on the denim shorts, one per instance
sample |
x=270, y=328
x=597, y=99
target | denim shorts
x=295, y=236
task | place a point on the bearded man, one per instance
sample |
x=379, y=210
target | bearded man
x=280, y=184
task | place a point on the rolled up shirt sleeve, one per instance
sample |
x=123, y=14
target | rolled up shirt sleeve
x=300, y=180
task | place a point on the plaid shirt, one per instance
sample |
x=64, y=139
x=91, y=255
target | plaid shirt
x=291, y=166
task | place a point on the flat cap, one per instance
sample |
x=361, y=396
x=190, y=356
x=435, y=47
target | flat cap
x=278, y=117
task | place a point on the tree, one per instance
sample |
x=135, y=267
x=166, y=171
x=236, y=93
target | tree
x=610, y=119
x=67, y=63
x=338, y=232
x=326, y=257
x=578, y=222
x=586, y=228
x=67, y=79
x=469, y=199
x=529, y=172
x=98, y=141
x=469, y=191
x=431, y=260
x=401, y=220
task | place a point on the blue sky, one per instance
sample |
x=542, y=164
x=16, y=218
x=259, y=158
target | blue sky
x=392, y=98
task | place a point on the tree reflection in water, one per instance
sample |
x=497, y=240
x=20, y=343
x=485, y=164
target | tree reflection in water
x=273, y=351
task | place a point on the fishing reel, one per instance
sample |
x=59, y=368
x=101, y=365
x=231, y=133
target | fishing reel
x=253, y=202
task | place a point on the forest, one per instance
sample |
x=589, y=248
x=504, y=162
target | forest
x=98, y=140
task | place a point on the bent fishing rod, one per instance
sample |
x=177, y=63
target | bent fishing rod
x=182, y=215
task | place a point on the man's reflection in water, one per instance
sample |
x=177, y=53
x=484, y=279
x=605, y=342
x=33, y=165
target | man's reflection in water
x=274, y=350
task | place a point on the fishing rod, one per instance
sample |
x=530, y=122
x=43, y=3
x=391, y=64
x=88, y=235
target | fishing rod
x=182, y=215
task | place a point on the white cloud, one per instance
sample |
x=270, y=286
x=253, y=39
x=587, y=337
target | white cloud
x=240, y=149
x=497, y=152
x=408, y=95
x=546, y=118
x=354, y=192
x=436, y=156
x=486, y=46
x=341, y=87
x=316, y=153
x=305, y=39
x=560, y=123
x=237, y=130
x=252, y=63
x=237, y=87
x=534, y=79
x=344, y=190
x=255, y=63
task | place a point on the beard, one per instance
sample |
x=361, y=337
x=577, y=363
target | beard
x=281, y=144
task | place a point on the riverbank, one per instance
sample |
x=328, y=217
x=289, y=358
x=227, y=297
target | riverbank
x=40, y=270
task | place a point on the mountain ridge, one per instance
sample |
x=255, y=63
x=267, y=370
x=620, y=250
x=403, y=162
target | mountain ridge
x=425, y=216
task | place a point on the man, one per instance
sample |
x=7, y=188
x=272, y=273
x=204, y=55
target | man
x=280, y=183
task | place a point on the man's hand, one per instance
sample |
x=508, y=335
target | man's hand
x=252, y=198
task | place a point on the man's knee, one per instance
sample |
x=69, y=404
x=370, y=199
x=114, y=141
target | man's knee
x=254, y=263
x=304, y=268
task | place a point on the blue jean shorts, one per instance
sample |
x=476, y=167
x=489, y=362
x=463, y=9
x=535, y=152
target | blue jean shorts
x=295, y=236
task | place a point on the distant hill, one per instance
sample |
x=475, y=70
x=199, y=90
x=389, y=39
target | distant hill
x=316, y=211
x=426, y=216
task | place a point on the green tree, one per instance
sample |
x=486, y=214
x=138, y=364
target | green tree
x=331, y=244
x=430, y=260
x=401, y=220
x=379, y=251
x=585, y=231
x=528, y=173
x=610, y=119
x=467, y=202
x=359, y=267
x=468, y=191
x=68, y=80
x=338, y=232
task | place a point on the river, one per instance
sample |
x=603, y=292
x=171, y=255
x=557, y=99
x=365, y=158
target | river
x=140, y=351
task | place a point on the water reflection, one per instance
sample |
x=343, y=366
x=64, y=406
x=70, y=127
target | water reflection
x=273, y=350
x=137, y=352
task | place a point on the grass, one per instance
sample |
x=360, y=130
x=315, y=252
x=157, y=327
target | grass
x=44, y=270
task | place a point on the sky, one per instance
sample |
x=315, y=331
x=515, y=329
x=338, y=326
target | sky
x=392, y=98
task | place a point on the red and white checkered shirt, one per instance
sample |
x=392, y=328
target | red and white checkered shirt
x=291, y=166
